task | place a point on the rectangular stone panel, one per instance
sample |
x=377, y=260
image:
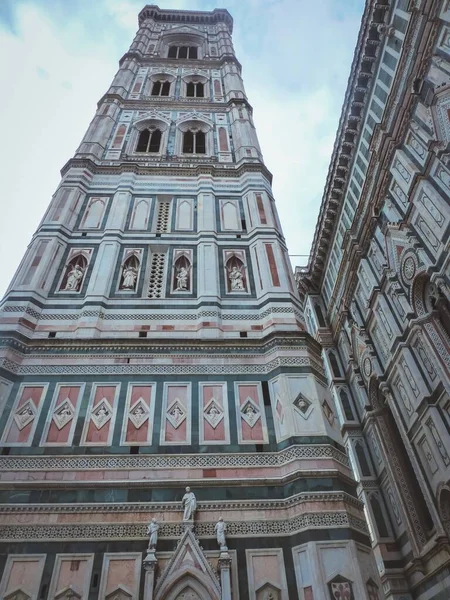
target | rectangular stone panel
x=101, y=414
x=62, y=416
x=24, y=415
x=176, y=414
x=266, y=574
x=250, y=414
x=72, y=575
x=213, y=414
x=22, y=576
x=120, y=576
x=137, y=427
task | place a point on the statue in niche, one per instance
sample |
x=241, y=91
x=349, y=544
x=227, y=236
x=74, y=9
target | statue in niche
x=182, y=279
x=129, y=276
x=152, y=530
x=236, y=279
x=220, y=529
x=74, y=278
x=189, y=504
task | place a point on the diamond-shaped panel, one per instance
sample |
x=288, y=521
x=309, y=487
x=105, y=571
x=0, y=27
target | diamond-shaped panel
x=25, y=414
x=176, y=413
x=280, y=410
x=63, y=414
x=102, y=413
x=302, y=403
x=213, y=413
x=250, y=412
x=139, y=413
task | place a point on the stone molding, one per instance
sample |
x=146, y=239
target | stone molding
x=151, y=507
x=166, y=461
x=235, y=529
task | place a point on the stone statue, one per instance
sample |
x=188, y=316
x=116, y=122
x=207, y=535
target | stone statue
x=182, y=279
x=152, y=530
x=236, y=279
x=74, y=278
x=220, y=529
x=189, y=504
x=129, y=275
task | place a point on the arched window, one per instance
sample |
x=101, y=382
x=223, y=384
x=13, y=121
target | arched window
x=149, y=141
x=362, y=460
x=183, y=52
x=195, y=89
x=346, y=406
x=378, y=516
x=194, y=142
x=161, y=88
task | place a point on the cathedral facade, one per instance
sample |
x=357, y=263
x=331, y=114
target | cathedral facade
x=376, y=294
x=167, y=428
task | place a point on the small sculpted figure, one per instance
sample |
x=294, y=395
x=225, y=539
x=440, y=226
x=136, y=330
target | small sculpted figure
x=189, y=504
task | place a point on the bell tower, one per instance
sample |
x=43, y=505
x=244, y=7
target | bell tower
x=152, y=340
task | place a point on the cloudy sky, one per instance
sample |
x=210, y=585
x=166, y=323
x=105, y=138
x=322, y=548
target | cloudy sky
x=59, y=56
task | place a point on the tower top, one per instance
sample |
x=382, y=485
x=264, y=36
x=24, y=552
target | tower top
x=218, y=15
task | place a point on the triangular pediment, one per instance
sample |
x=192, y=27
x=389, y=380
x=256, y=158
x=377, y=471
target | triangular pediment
x=396, y=243
x=68, y=593
x=188, y=560
x=17, y=594
x=152, y=117
x=184, y=29
x=120, y=593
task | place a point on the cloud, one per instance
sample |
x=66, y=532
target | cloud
x=296, y=58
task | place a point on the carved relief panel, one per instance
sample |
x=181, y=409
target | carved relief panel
x=182, y=272
x=100, y=415
x=62, y=416
x=74, y=271
x=176, y=414
x=130, y=269
x=214, y=422
x=235, y=271
x=23, y=419
x=137, y=426
x=250, y=414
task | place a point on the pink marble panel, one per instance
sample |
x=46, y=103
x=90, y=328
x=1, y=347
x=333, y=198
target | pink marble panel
x=101, y=436
x=249, y=433
x=24, y=574
x=121, y=572
x=266, y=567
x=176, y=433
x=55, y=435
x=133, y=433
x=211, y=433
x=73, y=571
x=22, y=436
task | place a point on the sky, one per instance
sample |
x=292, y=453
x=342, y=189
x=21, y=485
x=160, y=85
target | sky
x=59, y=57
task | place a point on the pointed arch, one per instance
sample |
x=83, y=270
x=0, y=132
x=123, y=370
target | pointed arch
x=236, y=275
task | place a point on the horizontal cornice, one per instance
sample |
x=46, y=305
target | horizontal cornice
x=174, y=167
x=355, y=103
x=203, y=17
